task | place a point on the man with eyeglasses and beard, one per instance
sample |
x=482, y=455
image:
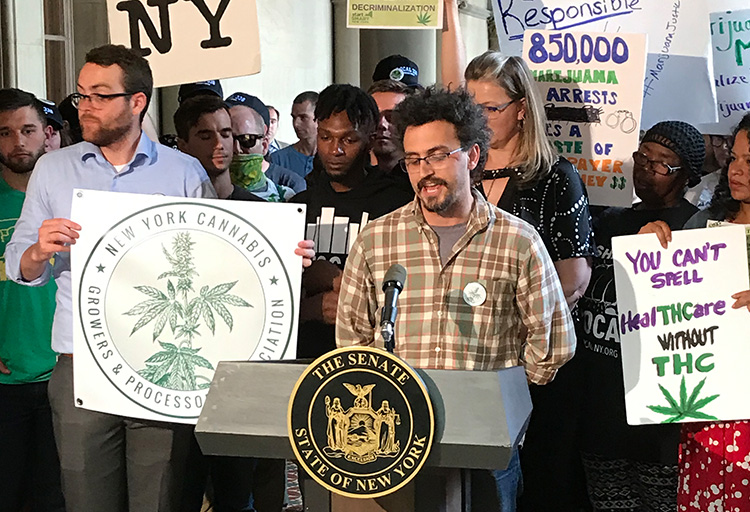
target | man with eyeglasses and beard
x=344, y=196
x=482, y=292
x=250, y=121
x=109, y=462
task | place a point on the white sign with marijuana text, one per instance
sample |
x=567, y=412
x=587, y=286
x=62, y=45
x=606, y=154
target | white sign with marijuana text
x=164, y=288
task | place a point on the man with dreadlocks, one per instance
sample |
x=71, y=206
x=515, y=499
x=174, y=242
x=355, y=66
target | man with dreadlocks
x=345, y=190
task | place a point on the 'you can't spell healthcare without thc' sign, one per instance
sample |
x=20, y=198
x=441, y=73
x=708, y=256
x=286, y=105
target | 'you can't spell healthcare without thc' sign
x=684, y=349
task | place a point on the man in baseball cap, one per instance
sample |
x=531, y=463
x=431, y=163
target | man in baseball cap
x=194, y=89
x=398, y=68
x=253, y=102
x=54, y=127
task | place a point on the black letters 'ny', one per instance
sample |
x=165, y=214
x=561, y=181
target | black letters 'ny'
x=137, y=14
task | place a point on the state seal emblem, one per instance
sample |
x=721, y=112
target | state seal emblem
x=361, y=422
x=173, y=289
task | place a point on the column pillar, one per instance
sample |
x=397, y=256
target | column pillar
x=346, y=47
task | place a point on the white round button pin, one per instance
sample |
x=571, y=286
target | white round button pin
x=475, y=294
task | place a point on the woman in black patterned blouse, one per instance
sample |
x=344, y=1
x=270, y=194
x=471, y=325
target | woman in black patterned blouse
x=525, y=176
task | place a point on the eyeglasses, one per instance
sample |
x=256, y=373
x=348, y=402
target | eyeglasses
x=719, y=142
x=97, y=100
x=435, y=161
x=247, y=140
x=654, y=165
x=493, y=111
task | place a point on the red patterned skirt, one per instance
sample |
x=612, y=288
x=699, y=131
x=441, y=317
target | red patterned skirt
x=715, y=467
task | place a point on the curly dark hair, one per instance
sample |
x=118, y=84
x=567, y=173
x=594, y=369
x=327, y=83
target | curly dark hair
x=722, y=203
x=360, y=108
x=456, y=107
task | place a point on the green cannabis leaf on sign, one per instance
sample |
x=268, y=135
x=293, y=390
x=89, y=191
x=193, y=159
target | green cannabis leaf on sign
x=687, y=407
x=175, y=366
x=423, y=19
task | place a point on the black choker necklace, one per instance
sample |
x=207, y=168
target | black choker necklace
x=493, y=174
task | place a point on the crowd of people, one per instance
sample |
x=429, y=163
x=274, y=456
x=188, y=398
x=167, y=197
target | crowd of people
x=508, y=265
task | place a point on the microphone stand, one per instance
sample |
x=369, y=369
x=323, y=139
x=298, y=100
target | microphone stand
x=386, y=330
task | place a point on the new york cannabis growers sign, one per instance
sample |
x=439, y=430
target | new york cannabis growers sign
x=165, y=288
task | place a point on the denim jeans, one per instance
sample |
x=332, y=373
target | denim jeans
x=509, y=483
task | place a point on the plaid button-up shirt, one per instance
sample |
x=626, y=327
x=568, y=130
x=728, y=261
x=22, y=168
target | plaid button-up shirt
x=524, y=318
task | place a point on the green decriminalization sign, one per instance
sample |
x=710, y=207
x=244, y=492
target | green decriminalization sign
x=404, y=14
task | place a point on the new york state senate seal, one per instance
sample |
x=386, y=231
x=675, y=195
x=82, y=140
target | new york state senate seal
x=361, y=422
x=173, y=289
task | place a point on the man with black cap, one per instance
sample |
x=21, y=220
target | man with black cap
x=55, y=125
x=631, y=467
x=398, y=68
x=250, y=121
x=207, y=87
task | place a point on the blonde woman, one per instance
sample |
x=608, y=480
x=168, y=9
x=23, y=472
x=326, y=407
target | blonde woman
x=525, y=176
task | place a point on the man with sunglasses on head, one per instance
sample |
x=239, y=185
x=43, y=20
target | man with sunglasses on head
x=481, y=291
x=250, y=121
x=109, y=462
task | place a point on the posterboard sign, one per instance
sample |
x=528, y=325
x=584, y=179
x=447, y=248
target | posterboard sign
x=730, y=43
x=684, y=349
x=678, y=45
x=590, y=86
x=164, y=288
x=399, y=14
x=189, y=41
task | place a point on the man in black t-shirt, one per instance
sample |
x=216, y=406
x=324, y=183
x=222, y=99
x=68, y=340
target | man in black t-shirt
x=344, y=195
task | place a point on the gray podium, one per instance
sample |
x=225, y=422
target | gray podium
x=480, y=419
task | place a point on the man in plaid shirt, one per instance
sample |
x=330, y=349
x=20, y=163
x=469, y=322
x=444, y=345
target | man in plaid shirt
x=481, y=292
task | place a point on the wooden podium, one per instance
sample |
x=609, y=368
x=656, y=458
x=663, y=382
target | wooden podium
x=480, y=419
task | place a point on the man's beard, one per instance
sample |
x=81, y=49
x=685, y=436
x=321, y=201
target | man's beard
x=102, y=136
x=22, y=167
x=436, y=205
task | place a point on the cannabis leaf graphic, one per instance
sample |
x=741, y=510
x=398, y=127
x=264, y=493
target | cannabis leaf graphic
x=688, y=407
x=175, y=366
x=423, y=19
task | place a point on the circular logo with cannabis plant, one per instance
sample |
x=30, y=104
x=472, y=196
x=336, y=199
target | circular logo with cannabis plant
x=172, y=290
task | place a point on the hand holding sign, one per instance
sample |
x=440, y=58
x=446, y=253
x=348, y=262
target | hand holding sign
x=678, y=335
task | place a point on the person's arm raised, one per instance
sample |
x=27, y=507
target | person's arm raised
x=453, y=50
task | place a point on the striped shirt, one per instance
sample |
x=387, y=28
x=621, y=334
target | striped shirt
x=437, y=327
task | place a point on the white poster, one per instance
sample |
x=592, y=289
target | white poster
x=684, y=349
x=730, y=43
x=678, y=84
x=164, y=288
x=590, y=85
x=189, y=41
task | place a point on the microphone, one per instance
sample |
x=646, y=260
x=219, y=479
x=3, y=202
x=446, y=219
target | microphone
x=393, y=284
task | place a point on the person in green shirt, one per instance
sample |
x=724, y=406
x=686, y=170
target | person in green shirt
x=30, y=475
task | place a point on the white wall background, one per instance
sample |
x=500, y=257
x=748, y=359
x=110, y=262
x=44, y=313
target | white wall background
x=296, y=55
